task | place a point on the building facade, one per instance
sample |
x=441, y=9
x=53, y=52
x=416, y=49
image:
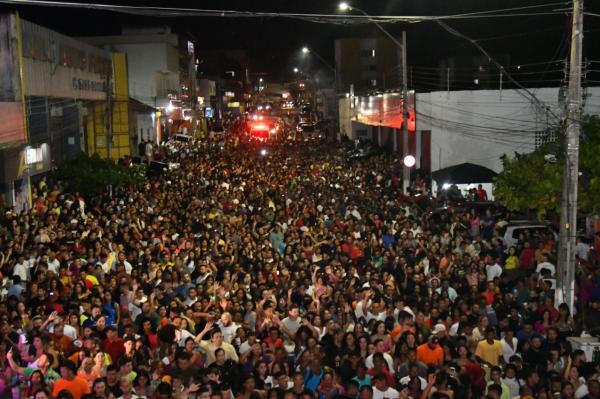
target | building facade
x=369, y=64
x=454, y=127
x=162, y=75
x=50, y=85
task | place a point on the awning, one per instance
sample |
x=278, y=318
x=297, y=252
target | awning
x=464, y=173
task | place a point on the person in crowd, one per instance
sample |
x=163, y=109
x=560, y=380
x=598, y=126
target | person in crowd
x=291, y=273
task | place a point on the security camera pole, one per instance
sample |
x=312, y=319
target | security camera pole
x=568, y=212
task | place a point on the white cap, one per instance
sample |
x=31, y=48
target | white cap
x=438, y=328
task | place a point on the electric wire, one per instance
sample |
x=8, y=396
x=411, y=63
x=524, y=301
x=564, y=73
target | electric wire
x=310, y=17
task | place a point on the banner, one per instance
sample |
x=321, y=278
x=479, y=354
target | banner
x=12, y=128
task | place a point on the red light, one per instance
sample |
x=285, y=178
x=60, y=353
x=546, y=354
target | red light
x=260, y=126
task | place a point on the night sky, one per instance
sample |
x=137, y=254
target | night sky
x=274, y=43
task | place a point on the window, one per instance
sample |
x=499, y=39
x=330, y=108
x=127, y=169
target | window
x=373, y=53
x=372, y=67
x=544, y=137
x=374, y=82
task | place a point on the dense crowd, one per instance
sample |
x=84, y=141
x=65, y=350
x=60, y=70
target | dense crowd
x=290, y=273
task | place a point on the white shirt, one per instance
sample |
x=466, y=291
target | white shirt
x=388, y=360
x=189, y=301
x=493, y=271
x=546, y=265
x=583, y=250
x=53, y=265
x=390, y=393
x=128, y=267
x=361, y=308
x=508, y=352
x=229, y=331
x=70, y=332
x=21, y=271
x=406, y=380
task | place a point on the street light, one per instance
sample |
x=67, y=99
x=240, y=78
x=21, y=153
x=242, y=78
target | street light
x=344, y=6
x=402, y=46
x=306, y=50
x=409, y=161
x=296, y=70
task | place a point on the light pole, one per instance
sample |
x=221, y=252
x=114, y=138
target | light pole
x=345, y=7
x=306, y=50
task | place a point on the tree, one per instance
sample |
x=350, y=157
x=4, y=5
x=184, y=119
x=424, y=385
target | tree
x=529, y=181
x=91, y=176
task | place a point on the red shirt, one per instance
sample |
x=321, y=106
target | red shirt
x=526, y=258
x=115, y=348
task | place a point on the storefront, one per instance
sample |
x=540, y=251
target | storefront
x=49, y=83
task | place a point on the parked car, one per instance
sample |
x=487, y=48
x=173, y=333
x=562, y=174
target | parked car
x=511, y=231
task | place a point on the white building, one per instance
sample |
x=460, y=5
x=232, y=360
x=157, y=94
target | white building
x=153, y=69
x=453, y=127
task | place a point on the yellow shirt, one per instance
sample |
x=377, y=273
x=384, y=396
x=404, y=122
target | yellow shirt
x=511, y=263
x=489, y=353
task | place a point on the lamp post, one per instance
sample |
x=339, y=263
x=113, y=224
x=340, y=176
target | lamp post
x=305, y=50
x=345, y=7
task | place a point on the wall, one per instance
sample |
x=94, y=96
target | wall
x=152, y=61
x=121, y=127
x=480, y=126
x=55, y=65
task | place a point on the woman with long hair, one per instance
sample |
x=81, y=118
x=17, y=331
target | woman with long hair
x=101, y=361
x=35, y=383
x=379, y=332
x=142, y=384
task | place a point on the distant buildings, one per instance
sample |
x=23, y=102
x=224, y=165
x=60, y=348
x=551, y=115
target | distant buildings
x=370, y=64
x=161, y=74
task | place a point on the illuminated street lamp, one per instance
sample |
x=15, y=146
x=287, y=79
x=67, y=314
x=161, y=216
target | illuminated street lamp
x=344, y=6
x=409, y=161
x=296, y=70
x=306, y=50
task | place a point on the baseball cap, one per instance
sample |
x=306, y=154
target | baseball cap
x=438, y=328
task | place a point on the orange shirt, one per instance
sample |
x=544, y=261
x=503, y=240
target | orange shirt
x=431, y=357
x=77, y=387
x=89, y=378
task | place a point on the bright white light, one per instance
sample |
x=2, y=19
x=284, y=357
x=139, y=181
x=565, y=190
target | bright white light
x=409, y=161
x=305, y=50
x=446, y=186
x=170, y=108
x=263, y=152
x=344, y=6
x=347, y=95
x=296, y=70
x=254, y=117
x=260, y=80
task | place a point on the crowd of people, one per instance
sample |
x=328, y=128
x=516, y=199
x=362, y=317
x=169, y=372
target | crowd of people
x=287, y=273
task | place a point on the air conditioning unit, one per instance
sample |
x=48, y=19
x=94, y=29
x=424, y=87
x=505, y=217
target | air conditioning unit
x=56, y=111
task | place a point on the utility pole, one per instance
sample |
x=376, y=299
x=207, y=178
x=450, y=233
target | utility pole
x=405, y=170
x=568, y=215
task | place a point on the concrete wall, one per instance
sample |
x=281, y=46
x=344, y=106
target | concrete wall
x=152, y=61
x=480, y=126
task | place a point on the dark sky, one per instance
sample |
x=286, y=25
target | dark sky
x=273, y=43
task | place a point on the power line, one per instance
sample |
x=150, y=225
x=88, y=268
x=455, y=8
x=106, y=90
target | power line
x=310, y=17
x=542, y=107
